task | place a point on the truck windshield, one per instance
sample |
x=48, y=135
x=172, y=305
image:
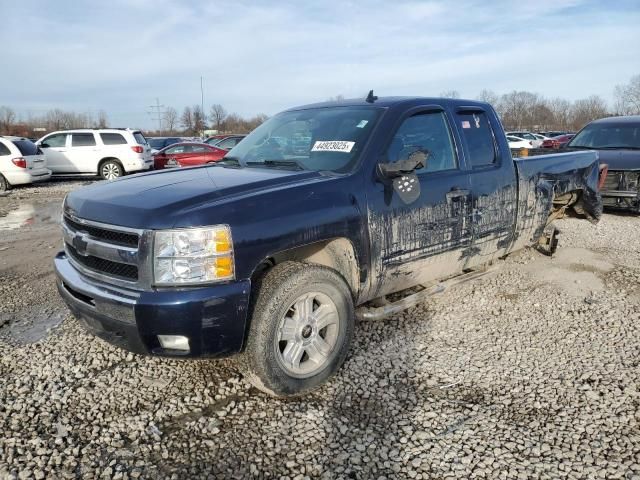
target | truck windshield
x=605, y=136
x=327, y=139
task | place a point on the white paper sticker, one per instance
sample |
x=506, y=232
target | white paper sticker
x=332, y=146
x=466, y=124
x=362, y=124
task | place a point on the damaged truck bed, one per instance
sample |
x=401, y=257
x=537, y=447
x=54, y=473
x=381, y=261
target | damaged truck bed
x=321, y=209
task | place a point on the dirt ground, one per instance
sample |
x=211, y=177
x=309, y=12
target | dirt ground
x=532, y=372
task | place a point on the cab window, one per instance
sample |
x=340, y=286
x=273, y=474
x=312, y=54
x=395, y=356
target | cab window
x=478, y=135
x=430, y=133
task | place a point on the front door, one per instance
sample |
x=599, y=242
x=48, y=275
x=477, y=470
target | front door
x=55, y=151
x=417, y=240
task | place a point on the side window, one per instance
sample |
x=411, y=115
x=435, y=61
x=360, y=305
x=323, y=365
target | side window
x=178, y=149
x=477, y=132
x=55, y=141
x=199, y=149
x=429, y=132
x=113, y=139
x=4, y=150
x=82, y=140
x=227, y=143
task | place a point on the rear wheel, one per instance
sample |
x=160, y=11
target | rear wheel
x=300, y=330
x=111, y=169
x=4, y=185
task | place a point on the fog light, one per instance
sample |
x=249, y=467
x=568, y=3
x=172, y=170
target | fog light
x=174, y=342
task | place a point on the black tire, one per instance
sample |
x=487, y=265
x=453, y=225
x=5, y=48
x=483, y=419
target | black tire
x=272, y=300
x=110, y=170
x=4, y=185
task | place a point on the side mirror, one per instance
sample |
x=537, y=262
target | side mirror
x=415, y=161
x=44, y=145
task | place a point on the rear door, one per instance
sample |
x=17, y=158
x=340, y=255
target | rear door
x=194, y=155
x=420, y=240
x=83, y=152
x=493, y=183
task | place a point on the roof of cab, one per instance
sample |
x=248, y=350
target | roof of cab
x=390, y=102
x=619, y=120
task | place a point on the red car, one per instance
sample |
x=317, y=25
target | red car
x=557, y=142
x=187, y=155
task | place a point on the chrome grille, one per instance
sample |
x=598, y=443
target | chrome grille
x=107, y=252
x=621, y=181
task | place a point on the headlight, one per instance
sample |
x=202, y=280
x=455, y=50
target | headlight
x=192, y=256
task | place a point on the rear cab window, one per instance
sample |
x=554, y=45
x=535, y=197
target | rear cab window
x=113, y=139
x=478, y=135
x=83, y=140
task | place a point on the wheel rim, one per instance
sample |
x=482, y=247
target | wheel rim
x=110, y=171
x=307, y=335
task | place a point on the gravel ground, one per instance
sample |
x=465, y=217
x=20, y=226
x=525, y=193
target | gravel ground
x=529, y=373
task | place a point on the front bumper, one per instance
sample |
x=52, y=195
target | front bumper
x=213, y=318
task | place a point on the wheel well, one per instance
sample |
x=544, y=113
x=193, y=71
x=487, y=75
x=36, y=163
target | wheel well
x=101, y=162
x=337, y=254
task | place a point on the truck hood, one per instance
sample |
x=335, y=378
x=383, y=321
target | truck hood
x=618, y=159
x=160, y=199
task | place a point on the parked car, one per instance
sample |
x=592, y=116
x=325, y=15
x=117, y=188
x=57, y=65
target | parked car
x=528, y=136
x=226, y=142
x=108, y=152
x=187, y=155
x=21, y=162
x=557, y=142
x=268, y=253
x=617, y=141
x=515, y=142
x=158, y=143
x=555, y=133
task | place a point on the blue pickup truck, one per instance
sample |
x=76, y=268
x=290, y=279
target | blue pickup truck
x=322, y=209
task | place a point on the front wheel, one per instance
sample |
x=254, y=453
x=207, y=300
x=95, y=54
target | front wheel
x=110, y=170
x=300, y=331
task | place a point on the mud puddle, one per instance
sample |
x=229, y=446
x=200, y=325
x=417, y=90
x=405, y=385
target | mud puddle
x=31, y=327
x=30, y=215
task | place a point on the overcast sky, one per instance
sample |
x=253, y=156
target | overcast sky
x=259, y=56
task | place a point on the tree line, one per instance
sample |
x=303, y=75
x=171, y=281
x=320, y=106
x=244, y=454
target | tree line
x=518, y=110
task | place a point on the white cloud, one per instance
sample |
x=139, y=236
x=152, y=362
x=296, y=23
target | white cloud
x=258, y=56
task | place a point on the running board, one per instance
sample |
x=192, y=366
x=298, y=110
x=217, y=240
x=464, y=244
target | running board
x=380, y=313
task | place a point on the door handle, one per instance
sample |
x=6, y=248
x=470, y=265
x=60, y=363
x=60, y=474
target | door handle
x=456, y=193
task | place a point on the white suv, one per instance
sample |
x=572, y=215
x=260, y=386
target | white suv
x=21, y=161
x=108, y=152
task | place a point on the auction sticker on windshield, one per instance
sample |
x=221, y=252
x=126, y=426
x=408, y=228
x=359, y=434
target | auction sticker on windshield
x=332, y=146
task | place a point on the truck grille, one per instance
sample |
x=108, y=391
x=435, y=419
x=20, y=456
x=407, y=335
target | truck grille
x=107, y=267
x=102, y=250
x=621, y=181
x=111, y=236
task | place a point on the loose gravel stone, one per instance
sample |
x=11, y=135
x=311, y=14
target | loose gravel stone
x=532, y=372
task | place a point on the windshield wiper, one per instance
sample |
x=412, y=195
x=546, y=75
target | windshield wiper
x=228, y=162
x=277, y=164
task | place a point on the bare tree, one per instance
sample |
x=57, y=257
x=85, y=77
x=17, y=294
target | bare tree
x=217, y=116
x=586, y=110
x=199, y=120
x=103, y=121
x=7, y=119
x=489, y=96
x=628, y=97
x=561, y=111
x=187, y=120
x=450, y=94
x=337, y=98
x=170, y=119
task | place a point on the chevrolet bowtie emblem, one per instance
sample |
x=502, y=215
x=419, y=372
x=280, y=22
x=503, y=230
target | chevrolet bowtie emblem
x=80, y=242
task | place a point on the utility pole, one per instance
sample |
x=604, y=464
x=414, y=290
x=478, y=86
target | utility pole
x=204, y=123
x=158, y=111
